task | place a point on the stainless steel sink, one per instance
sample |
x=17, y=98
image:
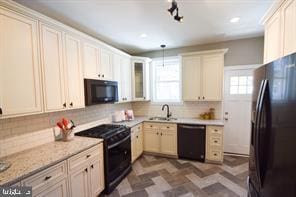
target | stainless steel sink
x=4, y=166
x=162, y=119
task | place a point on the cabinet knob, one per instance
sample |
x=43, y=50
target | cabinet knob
x=144, y=97
x=216, y=130
x=99, y=75
x=47, y=177
x=137, y=136
x=1, y=111
x=71, y=104
x=168, y=127
x=203, y=97
x=64, y=105
x=215, y=154
x=160, y=134
x=103, y=76
x=199, y=98
x=85, y=170
x=216, y=141
x=87, y=156
x=92, y=166
x=157, y=133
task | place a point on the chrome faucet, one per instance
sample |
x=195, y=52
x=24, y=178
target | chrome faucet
x=169, y=114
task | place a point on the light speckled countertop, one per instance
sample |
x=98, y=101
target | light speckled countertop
x=31, y=161
x=139, y=120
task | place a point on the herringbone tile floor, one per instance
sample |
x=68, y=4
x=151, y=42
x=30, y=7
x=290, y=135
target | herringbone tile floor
x=157, y=177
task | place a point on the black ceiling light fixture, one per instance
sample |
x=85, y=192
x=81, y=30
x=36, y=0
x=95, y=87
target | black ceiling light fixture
x=163, y=47
x=173, y=9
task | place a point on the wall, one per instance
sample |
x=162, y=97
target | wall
x=241, y=52
x=185, y=110
x=27, y=124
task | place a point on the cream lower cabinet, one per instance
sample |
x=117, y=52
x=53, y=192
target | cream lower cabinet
x=202, y=75
x=20, y=70
x=214, y=144
x=136, y=141
x=160, y=138
x=81, y=175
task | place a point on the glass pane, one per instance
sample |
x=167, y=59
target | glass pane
x=242, y=89
x=233, y=89
x=139, y=80
x=250, y=81
x=250, y=89
x=242, y=80
x=168, y=91
x=233, y=81
x=167, y=73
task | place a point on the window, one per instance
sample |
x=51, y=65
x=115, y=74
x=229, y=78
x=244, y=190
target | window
x=241, y=85
x=166, y=82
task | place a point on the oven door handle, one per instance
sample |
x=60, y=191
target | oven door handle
x=124, y=139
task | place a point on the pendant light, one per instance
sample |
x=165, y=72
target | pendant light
x=163, y=47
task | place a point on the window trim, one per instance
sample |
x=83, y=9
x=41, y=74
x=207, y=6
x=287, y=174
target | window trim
x=152, y=84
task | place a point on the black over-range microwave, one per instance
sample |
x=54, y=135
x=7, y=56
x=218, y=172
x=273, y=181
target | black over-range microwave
x=100, y=91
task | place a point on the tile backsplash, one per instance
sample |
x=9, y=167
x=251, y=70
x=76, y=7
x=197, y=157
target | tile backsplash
x=12, y=127
x=185, y=110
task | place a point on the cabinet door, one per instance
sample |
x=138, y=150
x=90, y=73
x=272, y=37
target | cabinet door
x=212, y=77
x=126, y=79
x=151, y=141
x=79, y=183
x=20, y=85
x=97, y=176
x=139, y=143
x=138, y=80
x=289, y=27
x=191, y=71
x=272, y=38
x=134, y=147
x=57, y=190
x=168, y=142
x=105, y=67
x=117, y=74
x=91, y=59
x=73, y=68
x=53, y=73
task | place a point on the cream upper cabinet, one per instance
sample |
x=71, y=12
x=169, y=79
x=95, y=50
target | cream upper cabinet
x=202, y=75
x=105, y=66
x=191, y=75
x=73, y=72
x=272, y=38
x=126, y=93
x=20, y=85
x=280, y=30
x=212, y=77
x=53, y=70
x=289, y=27
x=117, y=74
x=140, y=78
x=91, y=60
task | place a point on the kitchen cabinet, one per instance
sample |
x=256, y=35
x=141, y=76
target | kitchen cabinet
x=214, y=144
x=91, y=59
x=20, y=80
x=117, y=74
x=53, y=70
x=73, y=72
x=125, y=70
x=57, y=190
x=202, y=75
x=96, y=177
x=280, y=30
x=136, y=141
x=79, y=182
x=105, y=66
x=160, y=138
x=140, y=78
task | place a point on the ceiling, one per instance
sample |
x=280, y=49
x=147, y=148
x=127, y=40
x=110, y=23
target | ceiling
x=121, y=22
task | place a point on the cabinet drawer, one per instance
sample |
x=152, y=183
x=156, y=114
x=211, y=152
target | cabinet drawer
x=168, y=127
x=215, y=155
x=136, y=128
x=46, y=177
x=215, y=140
x=151, y=125
x=215, y=130
x=85, y=156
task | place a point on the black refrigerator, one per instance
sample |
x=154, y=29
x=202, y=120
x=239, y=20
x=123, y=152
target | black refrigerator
x=272, y=166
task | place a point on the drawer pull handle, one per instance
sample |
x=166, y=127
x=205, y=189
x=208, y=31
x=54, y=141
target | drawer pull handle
x=85, y=169
x=216, y=130
x=215, y=154
x=137, y=136
x=157, y=133
x=168, y=127
x=47, y=178
x=92, y=166
x=161, y=134
x=87, y=156
x=150, y=125
x=216, y=141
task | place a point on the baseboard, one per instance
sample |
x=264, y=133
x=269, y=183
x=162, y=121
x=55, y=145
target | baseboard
x=235, y=154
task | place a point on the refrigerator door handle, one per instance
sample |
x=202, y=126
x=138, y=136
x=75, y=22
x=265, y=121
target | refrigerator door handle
x=257, y=134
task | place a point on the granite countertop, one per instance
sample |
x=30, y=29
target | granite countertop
x=31, y=161
x=139, y=120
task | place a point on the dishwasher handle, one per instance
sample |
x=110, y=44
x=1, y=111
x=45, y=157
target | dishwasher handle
x=192, y=127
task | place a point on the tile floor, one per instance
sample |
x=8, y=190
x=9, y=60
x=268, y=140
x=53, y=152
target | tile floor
x=157, y=177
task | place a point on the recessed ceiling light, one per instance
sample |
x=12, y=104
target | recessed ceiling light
x=235, y=20
x=143, y=35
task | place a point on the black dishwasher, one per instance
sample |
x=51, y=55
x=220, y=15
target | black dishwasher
x=191, y=141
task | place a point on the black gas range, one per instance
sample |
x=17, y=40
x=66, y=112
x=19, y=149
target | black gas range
x=117, y=152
